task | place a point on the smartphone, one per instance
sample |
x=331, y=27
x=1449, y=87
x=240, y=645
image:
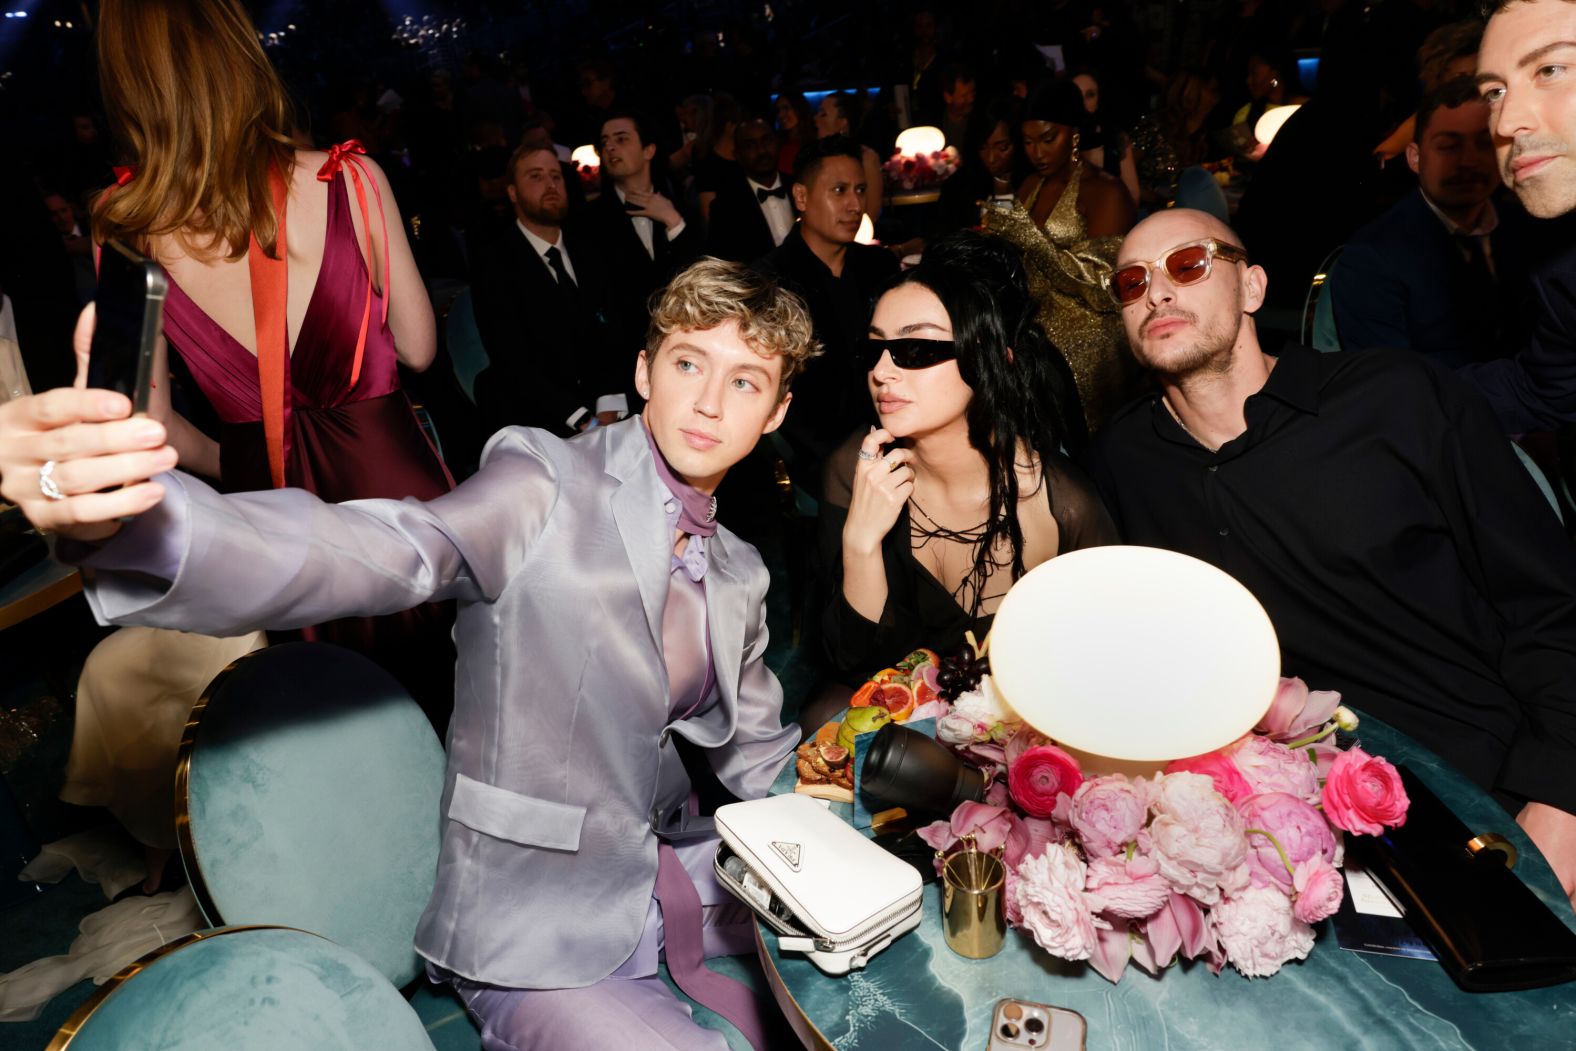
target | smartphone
x=1021, y=1024
x=130, y=316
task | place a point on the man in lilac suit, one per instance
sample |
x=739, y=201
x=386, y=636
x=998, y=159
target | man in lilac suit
x=601, y=613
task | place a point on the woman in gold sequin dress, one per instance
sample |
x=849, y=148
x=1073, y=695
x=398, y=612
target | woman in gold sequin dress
x=1068, y=220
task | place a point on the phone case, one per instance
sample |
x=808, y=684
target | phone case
x=1024, y=1025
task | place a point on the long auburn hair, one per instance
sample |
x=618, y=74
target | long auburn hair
x=190, y=93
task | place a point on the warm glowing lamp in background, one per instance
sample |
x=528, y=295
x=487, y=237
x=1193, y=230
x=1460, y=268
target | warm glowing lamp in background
x=921, y=141
x=585, y=157
x=1270, y=124
x=867, y=231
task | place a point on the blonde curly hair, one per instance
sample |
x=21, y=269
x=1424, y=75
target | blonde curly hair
x=710, y=292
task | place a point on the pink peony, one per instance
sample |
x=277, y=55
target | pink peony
x=1107, y=813
x=1038, y=775
x=1196, y=838
x=1218, y=767
x=1296, y=711
x=1270, y=767
x=1258, y=932
x=1052, y=907
x=1130, y=888
x=1301, y=831
x=1319, y=890
x=1364, y=794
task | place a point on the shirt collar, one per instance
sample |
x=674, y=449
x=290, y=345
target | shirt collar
x=762, y=186
x=1296, y=379
x=1488, y=225
x=538, y=243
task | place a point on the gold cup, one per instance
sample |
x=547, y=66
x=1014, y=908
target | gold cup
x=973, y=905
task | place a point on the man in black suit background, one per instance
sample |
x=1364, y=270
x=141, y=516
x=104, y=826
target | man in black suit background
x=544, y=313
x=838, y=280
x=641, y=233
x=751, y=215
x=1439, y=272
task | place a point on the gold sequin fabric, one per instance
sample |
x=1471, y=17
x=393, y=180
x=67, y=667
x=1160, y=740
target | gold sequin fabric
x=1066, y=271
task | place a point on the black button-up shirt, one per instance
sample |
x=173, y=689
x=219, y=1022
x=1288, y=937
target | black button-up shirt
x=1403, y=553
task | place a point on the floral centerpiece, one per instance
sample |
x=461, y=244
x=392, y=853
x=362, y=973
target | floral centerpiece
x=1228, y=857
x=587, y=164
x=921, y=160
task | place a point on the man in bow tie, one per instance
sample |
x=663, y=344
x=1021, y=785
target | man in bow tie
x=753, y=214
x=602, y=614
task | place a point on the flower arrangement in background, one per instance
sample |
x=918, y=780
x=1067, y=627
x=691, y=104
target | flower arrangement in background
x=588, y=165
x=1228, y=858
x=915, y=171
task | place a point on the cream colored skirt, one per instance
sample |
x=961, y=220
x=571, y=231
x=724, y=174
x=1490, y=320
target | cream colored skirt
x=137, y=688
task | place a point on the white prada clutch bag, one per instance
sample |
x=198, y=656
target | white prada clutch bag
x=826, y=890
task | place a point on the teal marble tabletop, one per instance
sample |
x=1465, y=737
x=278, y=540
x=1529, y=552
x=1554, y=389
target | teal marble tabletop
x=919, y=994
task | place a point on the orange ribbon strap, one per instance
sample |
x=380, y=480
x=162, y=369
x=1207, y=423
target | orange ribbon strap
x=270, y=287
x=342, y=155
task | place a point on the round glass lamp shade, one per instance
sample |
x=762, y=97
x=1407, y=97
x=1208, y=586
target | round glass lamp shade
x=1135, y=654
x=866, y=234
x=921, y=141
x=585, y=157
x=1270, y=123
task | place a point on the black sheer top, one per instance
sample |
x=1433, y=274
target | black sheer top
x=920, y=611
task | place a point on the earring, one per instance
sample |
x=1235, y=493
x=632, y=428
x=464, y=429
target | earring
x=1075, y=140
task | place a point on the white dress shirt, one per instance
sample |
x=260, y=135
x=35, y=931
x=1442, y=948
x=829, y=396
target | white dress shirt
x=778, y=210
x=644, y=227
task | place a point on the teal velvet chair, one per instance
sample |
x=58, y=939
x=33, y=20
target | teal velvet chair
x=1318, y=313
x=464, y=340
x=246, y=989
x=307, y=795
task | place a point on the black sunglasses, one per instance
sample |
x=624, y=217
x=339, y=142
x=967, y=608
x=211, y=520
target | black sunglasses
x=909, y=353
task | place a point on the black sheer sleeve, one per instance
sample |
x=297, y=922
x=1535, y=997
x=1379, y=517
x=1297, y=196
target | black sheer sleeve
x=1081, y=517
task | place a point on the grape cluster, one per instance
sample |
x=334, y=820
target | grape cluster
x=960, y=672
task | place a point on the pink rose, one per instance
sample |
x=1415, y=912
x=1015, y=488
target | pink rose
x=1258, y=932
x=1296, y=711
x=1218, y=767
x=1299, y=829
x=1132, y=889
x=1039, y=775
x=1107, y=813
x=1052, y=907
x=1196, y=838
x=1319, y=890
x=1364, y=794
x=1270, y=767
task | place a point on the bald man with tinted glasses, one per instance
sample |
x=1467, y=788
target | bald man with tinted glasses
x=1370, y=502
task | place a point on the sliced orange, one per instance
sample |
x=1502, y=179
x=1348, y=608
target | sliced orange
x=895, y=697
x=861, y=698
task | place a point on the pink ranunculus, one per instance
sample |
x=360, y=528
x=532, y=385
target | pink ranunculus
x=1258, y=932
x=1196, y=838
x=1107, y=813
x=1131, y=888
x=1296, y=711
x=1363, y=794
x=1052, y=906
x=1039, y=775
x=1270, y=767
x=1319, y=890
x=1301, y=831
x=1219, y=768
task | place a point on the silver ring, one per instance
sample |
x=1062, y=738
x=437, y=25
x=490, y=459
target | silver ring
x=46, y=482
x=867, y=455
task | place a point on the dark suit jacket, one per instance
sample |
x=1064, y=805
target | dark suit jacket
x=634, y=275
x=830, y=399
x=549, y=354
x=738, y=229
x=1536, y=389
x=1402, y=281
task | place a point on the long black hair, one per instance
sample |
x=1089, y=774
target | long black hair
x=1023, y=389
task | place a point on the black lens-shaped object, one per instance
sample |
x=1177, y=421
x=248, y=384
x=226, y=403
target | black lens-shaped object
x=908, y=769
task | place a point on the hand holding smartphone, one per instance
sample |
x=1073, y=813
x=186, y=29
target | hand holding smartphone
x=1020, y=1024
x=130, y=318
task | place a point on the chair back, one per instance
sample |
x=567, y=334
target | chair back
x=307, y=794
x=1540, y=480
x=465, y=343
x=1318, y=309
x=246, y=989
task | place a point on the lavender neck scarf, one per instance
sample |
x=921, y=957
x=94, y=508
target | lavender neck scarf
x=697, y=511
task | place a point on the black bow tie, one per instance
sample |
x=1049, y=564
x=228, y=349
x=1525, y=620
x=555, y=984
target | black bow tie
x=761, y=195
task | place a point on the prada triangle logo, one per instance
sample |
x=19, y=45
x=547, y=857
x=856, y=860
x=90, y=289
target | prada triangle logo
x=789, y=852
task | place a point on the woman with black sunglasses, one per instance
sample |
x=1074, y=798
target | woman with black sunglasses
x=929, y=518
